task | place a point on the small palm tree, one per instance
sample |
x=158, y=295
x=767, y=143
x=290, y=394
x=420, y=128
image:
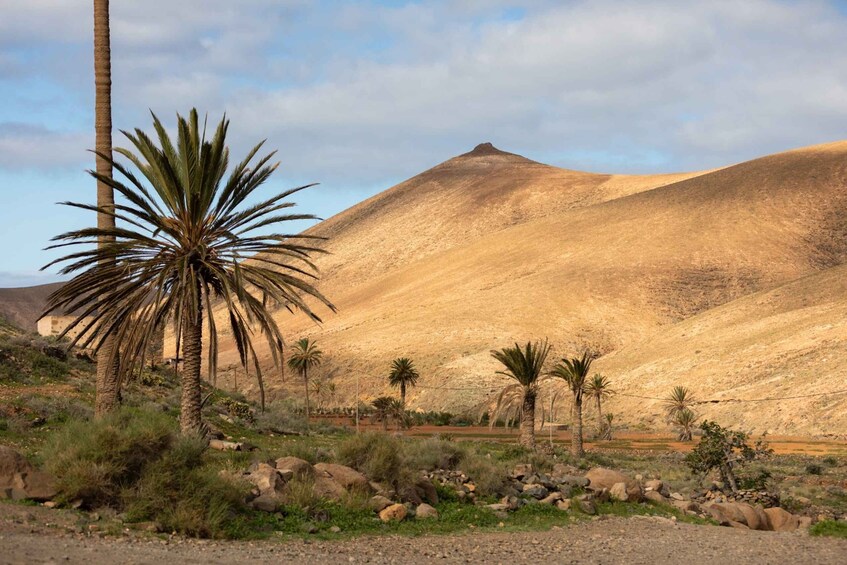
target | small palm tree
x=183, y=243
x=524, y=366
x=386, y=409
x=305, y=355
x=685, y=419
x=598, y=388
x=678, y=400
x=608, y=426
x=403, y=374
x=575, y=372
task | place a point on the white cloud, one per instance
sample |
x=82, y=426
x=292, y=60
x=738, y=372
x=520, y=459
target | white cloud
x=25, y=146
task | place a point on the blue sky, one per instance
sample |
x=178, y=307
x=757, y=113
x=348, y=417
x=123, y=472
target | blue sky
x=361, y=95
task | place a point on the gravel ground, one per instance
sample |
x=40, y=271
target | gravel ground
x=614, y=540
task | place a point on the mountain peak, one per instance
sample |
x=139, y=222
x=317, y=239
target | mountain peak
x=486, y=149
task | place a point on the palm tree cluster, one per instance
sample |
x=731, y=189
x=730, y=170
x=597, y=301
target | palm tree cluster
x=678, y=410
x=188, y=240
x=525, y=366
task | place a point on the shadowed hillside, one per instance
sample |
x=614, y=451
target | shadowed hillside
x=22, y=306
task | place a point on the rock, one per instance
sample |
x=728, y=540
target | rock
x=328, y=488
x=738, y=525
x=618, y=492
x=551, y=498
x=566, y=490
x=378, y=503
x=498, y=507
x=655, y=485
x=350, y=479
x=267, y=479
x=780, y=520
x=564, y=504
x=602, y=495
x=586, y=504
x=222, y=445
x=511, y=502
x=752, y=518
x=19, y=480
x=804, y=522
x=266, y=503
x=655, y=496
x=724, y=513
x=677, y=496
x=295, y=465
x=335, y=529
x=425, y=512
x=686, y=505
x=393, y=513
x=572, y=480
x=408, y=493
x=426, y=490
x=600, y=478
x=521, y=471
x=383, y=489
x=535, y=491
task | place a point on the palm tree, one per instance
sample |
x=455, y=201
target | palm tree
x=574, y=372
x=525, y=367
x=608, y=427
x=187, y=239
x=403, y=374
x=685, y=419
x=387, y=408
x=107, y=391
x=304, y=356
x=599, y=387
x=678, y=400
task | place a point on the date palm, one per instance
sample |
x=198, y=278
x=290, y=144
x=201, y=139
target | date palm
x=524, y=366
x=187, y=238
x=598, y=388
x=107, y=390
x=574, y=372
x=305, y=355
x=403, y=374
x=685, y=420
x=678, y=400
x=386, y=409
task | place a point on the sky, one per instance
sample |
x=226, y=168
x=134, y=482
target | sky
x=361, y=95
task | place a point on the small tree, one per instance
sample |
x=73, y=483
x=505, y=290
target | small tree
x=403, y=374
x=523, y=365
x=598, y=388
x=678, y=400
x=607, y=433
x=574, y=372
x=685, y=420
x=724, y=450
x=305, y=355
x=387, y=409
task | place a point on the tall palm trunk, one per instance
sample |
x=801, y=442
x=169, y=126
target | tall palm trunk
x=108, y=387
x=306, y=385
x=601, y=431
x=576, y=440
x=190, y=416
x=527, y=438
x=403, y=394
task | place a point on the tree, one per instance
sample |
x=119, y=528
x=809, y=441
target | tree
x=685, y=420
x=575, y=372
x=598, y=388
x=305, y=355
x=724, y=450
x=183, y=242
x=107, y=390
x=387, y=409
x=403, y=374
x=525, y=367
x=678, y=400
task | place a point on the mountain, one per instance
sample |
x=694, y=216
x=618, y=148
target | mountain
x=490, y=248
x=22, y=306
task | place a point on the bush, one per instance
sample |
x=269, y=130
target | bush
x=281, y=417
x=814, y=469
x=829, y=528
x=374, y=454
x=308, y=452
x=830, y=461
x=724, y=450
x=488, y=475
x=433, y=453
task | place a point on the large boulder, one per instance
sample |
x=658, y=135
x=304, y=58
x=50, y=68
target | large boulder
x=297, y=466
x=267, y=479
x=19, y=480
x=600, y=478
x=780, y=520
x=328, y=488
x=378, y=503
x=425, y=512
x=394, y=513
x=350, y=479
x=426, y=490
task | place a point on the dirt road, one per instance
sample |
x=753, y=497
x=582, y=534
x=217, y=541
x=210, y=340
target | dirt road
x=615, y=540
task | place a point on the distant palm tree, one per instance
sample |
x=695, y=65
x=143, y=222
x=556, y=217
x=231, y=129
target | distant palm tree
x=608, y=426
x=685, y=419
x=107, y=390
x=184, y=244
x=305, y=355
x=387, y=408
x=524, y=366
x=678, y=400
x=598, y=388
x=403, y=374
x=575, y=372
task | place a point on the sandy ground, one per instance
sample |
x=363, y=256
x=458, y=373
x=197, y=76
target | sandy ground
x=26, y=538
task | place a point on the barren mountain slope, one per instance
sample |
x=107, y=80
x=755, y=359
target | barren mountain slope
x=585, y=270
x=786, y=342
x=22, y=306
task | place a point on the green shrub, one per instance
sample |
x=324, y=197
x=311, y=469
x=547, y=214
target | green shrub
x=814, y=469
x=374, y=454
x=830, y=528
x=830, y=461
x=433, y=453
x=723, y=450
x=488, y=474
x=55, y=409
x=307, y=451
x=281, y=417
x=236, y=408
